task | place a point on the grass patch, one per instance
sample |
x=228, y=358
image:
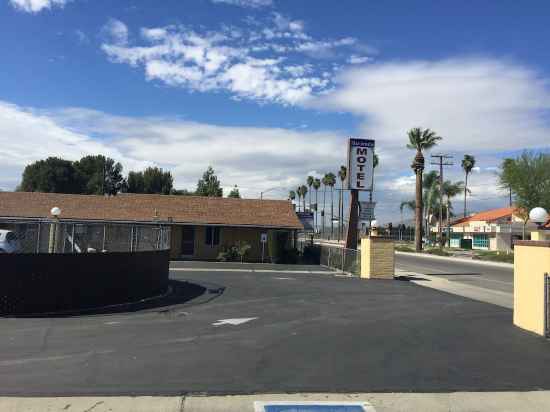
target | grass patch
x=436, y=251
x=494, y=256
x=401, y=248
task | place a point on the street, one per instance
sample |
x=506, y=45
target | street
x=257, y=329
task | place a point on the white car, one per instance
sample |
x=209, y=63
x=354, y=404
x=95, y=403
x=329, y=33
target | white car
x=8, y=241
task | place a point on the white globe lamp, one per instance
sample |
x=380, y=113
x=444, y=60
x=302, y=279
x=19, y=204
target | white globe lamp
x=55, y=212
x=538, y=215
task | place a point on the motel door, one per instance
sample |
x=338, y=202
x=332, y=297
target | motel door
x=188, y=241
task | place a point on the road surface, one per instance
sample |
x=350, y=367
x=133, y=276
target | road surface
x=484, y=276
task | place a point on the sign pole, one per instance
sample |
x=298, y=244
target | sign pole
x=351, y=236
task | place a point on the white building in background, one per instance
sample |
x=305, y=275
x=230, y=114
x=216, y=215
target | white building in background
x=494, y=229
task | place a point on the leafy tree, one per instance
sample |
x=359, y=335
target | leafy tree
x=135, y=182
x=101, y=175
x=155, y=180
x=420, y=140
x=451, y=190
x=234, y=193
x=209, y=185
x=468, y=164
x=52, y=175
x=528, y=176
x=299, y=193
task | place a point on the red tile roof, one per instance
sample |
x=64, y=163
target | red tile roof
x=147, y=208
x=487, y=215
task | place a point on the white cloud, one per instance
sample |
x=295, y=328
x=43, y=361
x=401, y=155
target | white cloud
x=355, y=59
x=254, y=4
x=35, y=6
x=475, y=104
x=264, y=63
x=116, y=32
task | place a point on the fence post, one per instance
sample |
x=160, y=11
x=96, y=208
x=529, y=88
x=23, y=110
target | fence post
x=104, y=236
x=132, y=239
x=343, y=258
x=329, y=249
x=72, y=239
x=38, y=238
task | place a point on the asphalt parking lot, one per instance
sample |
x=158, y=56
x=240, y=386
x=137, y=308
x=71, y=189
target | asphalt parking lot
x=275, y=331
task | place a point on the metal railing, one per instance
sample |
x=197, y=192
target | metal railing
x=342, y=259
x=51, y=236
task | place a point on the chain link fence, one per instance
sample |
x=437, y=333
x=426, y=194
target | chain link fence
x=342, y=259
x=49, y=236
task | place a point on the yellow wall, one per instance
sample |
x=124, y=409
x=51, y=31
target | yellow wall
x=530, y=265
x=377, y=258
x=229, y=236
x=540, y=235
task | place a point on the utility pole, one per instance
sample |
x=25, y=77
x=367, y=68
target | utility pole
x=441, y=161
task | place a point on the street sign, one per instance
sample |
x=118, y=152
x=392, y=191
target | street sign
x=360, y=164
x=263, y=237
x=366, y=211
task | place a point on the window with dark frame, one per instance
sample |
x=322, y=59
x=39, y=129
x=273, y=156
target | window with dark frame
x=212, y=236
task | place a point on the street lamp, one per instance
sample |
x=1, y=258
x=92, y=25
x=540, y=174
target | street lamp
x=52, y=244
x=539, y=216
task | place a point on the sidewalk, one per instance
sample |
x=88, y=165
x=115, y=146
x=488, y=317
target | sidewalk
x=536, y=401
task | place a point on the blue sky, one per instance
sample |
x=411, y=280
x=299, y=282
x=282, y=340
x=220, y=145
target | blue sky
x=267, y=91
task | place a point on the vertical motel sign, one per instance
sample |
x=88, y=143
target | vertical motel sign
x=360, y=164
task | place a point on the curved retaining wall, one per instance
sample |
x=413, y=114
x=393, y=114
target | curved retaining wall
x=41, y=283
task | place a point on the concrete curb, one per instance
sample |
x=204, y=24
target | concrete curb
x=454, y=259
x=379, y=402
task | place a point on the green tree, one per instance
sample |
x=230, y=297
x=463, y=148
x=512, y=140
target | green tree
x=506, y=186
x=209, y=185
x=234, y=193
x=330, y=179
x=316, y=186
x=342, y=174
x=309, y=182
x=303, y=190
x=468, y=164
x=135, y=183
x=156, y=180
x=52, y=175
x=420, y=140
x=528, y=176
x=101, y=175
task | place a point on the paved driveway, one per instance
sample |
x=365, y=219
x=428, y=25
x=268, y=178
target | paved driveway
x=247, y=332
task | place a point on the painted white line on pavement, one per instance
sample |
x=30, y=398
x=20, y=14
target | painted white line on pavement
x=234, y=321
x=303, y=272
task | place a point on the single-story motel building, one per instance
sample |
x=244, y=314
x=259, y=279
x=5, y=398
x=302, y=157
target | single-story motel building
x=201, y=227
x=494, y=229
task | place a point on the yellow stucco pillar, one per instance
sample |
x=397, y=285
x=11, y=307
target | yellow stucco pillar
x=377, y=258
x=531, y=262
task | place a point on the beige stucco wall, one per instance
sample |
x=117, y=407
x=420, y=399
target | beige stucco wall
x=229, y=236
x=540, y=235
x=530, y=265
x=377, y=258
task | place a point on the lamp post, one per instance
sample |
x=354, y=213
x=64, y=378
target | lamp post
x=539, y=216
x=54, y=227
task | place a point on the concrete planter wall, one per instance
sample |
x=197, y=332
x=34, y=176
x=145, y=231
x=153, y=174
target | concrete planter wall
x=41, y=283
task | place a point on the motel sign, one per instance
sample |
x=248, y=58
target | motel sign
x=360, y=164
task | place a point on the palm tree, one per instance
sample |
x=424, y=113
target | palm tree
x=309, y=182
x=299, y=194
x=291, y=196
x=430, y=185
x=331, y=181
x=342, y=174
x=375, y=162
x=420, y=140
x=324, y=180
x=468, y=164
x=451, y=190
x=316, y=186
x=304, y=193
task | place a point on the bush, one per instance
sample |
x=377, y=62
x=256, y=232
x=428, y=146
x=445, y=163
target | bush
x=235, y=253
x=312, y=255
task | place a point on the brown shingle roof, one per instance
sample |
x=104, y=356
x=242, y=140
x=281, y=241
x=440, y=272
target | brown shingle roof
x=487, y=215
x=147, y=208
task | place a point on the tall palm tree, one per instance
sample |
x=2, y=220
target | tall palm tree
x=291, y=196
x=309, y=182
x=304, y=193
x=316, y=186
x=451, y=190
x=342, y=174
x=468, y=164
x=420, y=140
x=299, y=194
x=331, y=181
x=375, y=162
x=430, y=185
x=324, y=180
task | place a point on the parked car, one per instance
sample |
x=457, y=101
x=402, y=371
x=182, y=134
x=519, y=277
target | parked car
x=9, y=243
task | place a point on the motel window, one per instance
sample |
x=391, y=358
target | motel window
x=212, y=236
x=481, y=241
